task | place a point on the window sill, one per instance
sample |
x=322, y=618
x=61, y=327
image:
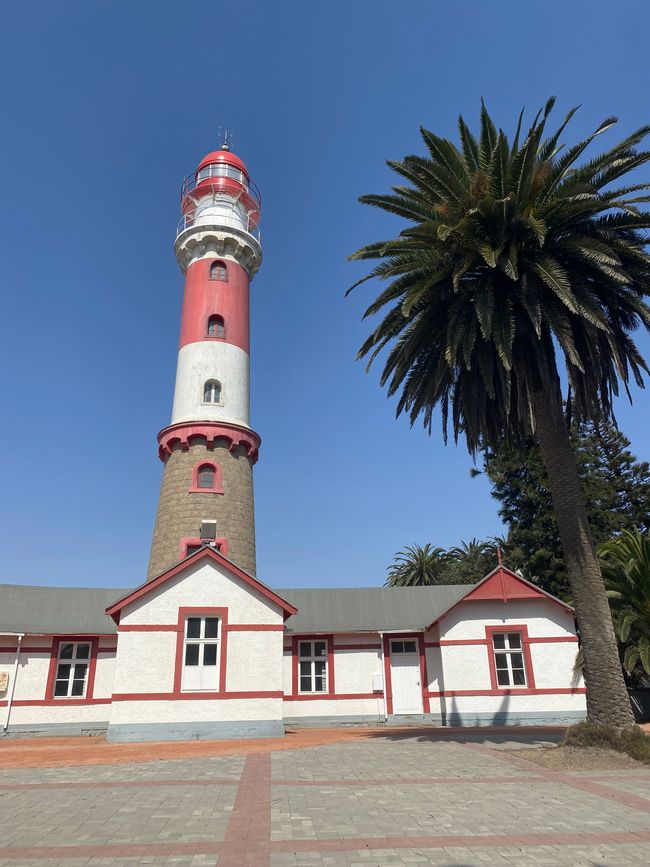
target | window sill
x=205, y=491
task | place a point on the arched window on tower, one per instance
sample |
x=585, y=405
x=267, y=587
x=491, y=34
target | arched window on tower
x=218, y=271
x=206, y=478
x=216, y=326
x=212, y=391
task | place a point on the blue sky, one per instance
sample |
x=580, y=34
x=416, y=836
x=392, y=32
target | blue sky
x=106, y=106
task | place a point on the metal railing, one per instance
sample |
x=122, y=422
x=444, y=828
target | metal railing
x=216, y=182
x=189, y=220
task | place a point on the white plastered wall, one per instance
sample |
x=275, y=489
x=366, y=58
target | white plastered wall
x=146, y=660
x=465, y=667
x=212, y=359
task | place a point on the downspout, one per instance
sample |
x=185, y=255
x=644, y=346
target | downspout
x=383, y=675
x=10, y=698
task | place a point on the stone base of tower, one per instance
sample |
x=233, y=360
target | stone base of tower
x=182, y=508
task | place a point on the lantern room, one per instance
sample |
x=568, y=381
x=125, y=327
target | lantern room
x=220, y=193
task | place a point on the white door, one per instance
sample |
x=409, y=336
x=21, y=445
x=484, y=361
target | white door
x=405, y=676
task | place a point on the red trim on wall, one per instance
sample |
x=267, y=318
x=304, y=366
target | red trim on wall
x=192, y=696
x=255, y=627
x=357, y=647
x=217, y=487
x=189, y=611
x=93, y=640
x=219, y=558
x=148, y=627
x=56, y=702
x=528, y=662
x=580, y=690
x=27, y=649
x=318, y=696
x=531, y=639
x=187, y=541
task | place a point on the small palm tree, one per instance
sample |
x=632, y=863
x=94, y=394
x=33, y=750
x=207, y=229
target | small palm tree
x=519, y=261
x=418, y=566
x=626, y=570
x=473, y=560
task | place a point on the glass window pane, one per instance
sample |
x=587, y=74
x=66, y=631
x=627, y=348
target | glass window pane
x=320, y=648
x=397, y=647
x=514, y=639
x=319, y=668
x=193, y=627
x=517, y=660
x=305, y=684
x=65, y=651
x=499, y=640
x=305, y=669
x=410, y=647
x=305, y=648
x=80, y=671
x=61, y=687
x=503, y=677
x=63, y=671
x=210, y=654
x=206, y=477
x=83, y=651
x=501, y=660
x=211, y=627
x=319, y=684
x=78, y=687
x=518, y=677
x=192, y=654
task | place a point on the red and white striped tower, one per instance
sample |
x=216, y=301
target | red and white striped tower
x=209, y=448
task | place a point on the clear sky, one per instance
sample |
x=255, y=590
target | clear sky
x=106, y=106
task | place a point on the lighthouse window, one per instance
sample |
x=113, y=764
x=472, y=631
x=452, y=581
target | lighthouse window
x=206, y=476
x=218, y=271
x=216, y=326
x=212, y=391
x=222, y=170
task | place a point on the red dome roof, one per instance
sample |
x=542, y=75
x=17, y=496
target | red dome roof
x=222, y=156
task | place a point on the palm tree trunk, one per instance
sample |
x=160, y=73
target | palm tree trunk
x=607, y=698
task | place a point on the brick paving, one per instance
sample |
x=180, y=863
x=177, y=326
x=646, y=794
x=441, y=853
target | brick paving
x=390, y=799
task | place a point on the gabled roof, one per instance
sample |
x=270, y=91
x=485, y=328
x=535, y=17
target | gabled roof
x=503, y=585
x=202, y=554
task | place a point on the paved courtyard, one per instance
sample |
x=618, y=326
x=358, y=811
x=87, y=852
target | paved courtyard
x=381, y=799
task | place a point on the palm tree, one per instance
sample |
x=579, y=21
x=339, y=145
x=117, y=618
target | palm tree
x=418, y=566
x=471, y=561
x=518, y=259
x=626, y=570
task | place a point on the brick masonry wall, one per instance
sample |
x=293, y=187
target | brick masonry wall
x=180, y=512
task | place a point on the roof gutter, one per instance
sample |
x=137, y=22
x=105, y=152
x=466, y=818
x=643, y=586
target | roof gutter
x=10, y=698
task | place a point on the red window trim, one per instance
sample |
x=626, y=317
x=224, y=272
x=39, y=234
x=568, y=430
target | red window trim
x=217, y=487
x=222, y=263
x=295, y=658
x=93, y=640
x=528, y=662
x=188, y=541
x=222, y=614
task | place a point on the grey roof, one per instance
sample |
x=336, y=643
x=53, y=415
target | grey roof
x=370, y=608
x=68, y=610
x=56, y=610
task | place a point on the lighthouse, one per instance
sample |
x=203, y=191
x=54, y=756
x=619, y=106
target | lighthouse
x=209, y=448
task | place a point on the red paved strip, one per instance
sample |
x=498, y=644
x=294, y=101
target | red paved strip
x=635, y=802
x=117, y=784
x=352, y=844
x=247, y=838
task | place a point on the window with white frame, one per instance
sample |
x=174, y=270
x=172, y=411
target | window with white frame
x=72, y=669
x=212, y=391
x=509, y=658
x=201, y=653
x=312, y=666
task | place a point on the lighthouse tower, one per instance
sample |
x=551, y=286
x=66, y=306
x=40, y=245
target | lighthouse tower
x=209, y=449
